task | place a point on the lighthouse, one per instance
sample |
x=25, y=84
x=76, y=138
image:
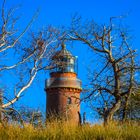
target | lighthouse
x=63, y=87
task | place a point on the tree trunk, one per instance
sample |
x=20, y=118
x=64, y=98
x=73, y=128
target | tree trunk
x=109, y=113
x=125, y=107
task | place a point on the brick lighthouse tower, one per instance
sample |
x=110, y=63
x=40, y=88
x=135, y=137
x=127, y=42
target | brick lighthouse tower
x=63, y=88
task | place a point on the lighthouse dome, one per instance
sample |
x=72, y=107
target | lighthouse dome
x=64, y=61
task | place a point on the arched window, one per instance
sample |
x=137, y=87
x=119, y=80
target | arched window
x=68, y=100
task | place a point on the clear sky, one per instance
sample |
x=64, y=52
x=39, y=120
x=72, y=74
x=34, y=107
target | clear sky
x=59, y=12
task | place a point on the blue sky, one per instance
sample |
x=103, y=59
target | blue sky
x=59, y=12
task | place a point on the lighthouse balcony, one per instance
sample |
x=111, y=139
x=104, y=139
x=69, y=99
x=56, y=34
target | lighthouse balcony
x=63, y=82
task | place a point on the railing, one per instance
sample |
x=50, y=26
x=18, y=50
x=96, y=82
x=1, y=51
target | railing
x=63, y=82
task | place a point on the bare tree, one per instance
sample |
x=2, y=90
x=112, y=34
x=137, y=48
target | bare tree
x=27, y=60
x=113, y=76
x=130, y=108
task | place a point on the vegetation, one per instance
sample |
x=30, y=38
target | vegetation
x=131, y=111
x=114, y=82
x=58, y=130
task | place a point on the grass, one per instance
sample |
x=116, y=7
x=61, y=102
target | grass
x=68, y=131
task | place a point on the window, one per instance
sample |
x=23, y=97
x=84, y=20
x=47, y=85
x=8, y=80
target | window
x=68, y=100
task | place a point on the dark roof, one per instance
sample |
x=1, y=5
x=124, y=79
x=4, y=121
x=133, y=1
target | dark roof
x=62, y=53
